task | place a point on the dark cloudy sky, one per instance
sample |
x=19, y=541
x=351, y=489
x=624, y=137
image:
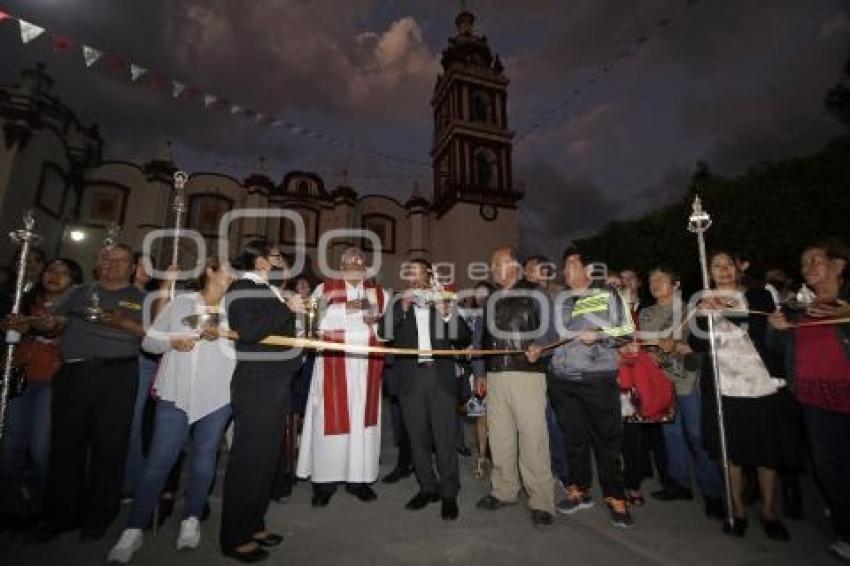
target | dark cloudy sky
x=729, y=81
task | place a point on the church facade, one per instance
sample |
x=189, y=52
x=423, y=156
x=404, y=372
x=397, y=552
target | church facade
x=51, y=162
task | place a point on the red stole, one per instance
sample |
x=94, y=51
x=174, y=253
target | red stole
x=335, y=385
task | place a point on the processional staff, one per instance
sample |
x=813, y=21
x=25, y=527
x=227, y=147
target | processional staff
x=25, y=237
x=179, y=207
x=698, y=223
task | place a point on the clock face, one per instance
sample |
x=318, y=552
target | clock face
x=488, y=212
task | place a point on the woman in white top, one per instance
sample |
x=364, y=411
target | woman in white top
x=193, y=387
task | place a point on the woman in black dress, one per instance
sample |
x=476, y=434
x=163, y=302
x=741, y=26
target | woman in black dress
x=760, y=431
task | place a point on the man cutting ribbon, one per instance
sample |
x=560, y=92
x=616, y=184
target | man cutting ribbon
x=341, y=439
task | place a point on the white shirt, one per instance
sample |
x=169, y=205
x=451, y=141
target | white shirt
x=197, y=381
x=423, y=329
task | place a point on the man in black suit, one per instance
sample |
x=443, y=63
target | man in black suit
x=427, y=386
x=260, y=396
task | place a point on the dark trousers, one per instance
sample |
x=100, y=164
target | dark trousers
x=588, y=412
x=259, y=406
x=829, y=437
x=429, y=412
x=400, y=435
x=92, y=410
x=643, y=446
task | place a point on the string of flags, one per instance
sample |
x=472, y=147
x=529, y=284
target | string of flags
x=141, y=75
x=604, y=70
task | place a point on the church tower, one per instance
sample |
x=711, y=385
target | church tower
x=471, y=152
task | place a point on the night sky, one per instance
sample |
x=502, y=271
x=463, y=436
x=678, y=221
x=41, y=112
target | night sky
x=730, y=82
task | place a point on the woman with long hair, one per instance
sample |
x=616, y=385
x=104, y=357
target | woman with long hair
x=758, y=417
x=27, y=434
x=193, y=386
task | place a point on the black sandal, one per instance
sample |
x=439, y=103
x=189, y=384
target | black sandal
x=270, y=540
x=248, y=557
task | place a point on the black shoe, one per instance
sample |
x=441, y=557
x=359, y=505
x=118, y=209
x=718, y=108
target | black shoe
x=449, y=511
x=541, y=518
x=250, y=557
x=421, y=500
x=714, y=508
x=775, y=530
x=738, y=528
x=93, y=534
x=672, y=492
x=490, y=503
x=361, y=491
x=270, y=540
x=464, y=451
x=47, y=532
x=321, y=499
x=397, y=474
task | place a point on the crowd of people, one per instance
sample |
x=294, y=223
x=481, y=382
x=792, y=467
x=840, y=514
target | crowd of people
x=559, y=369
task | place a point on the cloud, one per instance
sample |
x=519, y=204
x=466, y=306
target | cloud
x=298, y=54
x=556, y=209
x=839, y=24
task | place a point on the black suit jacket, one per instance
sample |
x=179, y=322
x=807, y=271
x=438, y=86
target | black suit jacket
x=399, y=326
x=255, y=312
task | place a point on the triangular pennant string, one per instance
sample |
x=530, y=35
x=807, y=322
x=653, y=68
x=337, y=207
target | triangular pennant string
x=136, y=71
x=91, y=55
x=29, y=31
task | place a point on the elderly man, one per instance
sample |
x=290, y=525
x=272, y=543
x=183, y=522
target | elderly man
x=93, y=397
x=517, y=317
x=341, y=439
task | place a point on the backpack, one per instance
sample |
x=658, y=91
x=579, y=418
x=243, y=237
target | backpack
x=649, y=389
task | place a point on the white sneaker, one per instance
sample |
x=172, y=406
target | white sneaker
x=841, y=549
x=190, y=534
x=127, y=545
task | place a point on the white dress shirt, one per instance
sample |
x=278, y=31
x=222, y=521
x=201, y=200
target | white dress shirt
x=197, y=381
x=423, y=330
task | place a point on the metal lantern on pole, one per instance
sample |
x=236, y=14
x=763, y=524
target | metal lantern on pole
x=698, y=223
x=26, y=238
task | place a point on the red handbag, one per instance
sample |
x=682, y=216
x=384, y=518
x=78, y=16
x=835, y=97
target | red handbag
x=652, y=392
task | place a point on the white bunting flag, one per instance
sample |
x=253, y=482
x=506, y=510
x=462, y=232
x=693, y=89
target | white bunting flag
x=29, y=31
x=235, y=109
x=177, y=89
x=136, y=71
x=209, y=100
x=91, y=55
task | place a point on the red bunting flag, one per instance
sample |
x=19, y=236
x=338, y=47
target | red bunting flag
x=156, y=81
x=117, y=64
x=61, y=43
x=193, y=92
x=4, y=16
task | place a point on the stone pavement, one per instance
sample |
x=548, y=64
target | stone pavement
x=352, y=533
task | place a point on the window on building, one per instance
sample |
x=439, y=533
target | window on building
x=290, y=235
x=486, y=174
x=206, y=211
x=482, y=107
x=383, y=227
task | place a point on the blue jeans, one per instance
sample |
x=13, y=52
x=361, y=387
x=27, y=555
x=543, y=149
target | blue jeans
x=683, y=439
x=171, y=429
x=135, y=455
x=26, y=439
x=557, y=446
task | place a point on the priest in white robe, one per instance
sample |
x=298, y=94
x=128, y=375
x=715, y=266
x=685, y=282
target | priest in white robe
x=341, y=438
